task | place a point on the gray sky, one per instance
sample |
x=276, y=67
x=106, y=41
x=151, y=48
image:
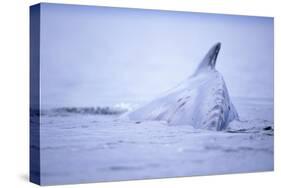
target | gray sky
x=104, y=56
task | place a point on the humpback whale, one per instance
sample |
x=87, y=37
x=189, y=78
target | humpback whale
x=202, y=100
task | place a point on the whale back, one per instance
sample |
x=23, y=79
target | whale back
x=201, y=101
x=205, y=106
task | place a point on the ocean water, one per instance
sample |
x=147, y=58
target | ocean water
x=82, y=147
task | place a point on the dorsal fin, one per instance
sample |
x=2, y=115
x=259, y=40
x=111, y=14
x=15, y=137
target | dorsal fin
x=209, y=61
